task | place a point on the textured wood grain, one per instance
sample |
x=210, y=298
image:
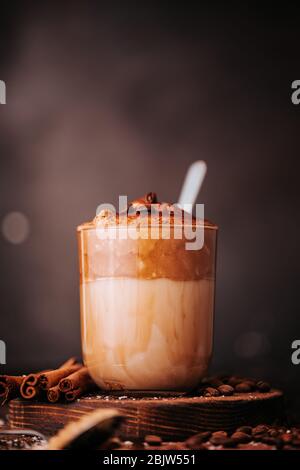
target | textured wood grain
x=173, y=418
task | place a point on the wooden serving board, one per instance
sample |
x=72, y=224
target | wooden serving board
x=171, y=417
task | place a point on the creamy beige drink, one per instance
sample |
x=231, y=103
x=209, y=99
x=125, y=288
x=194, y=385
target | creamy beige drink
x=146, y=304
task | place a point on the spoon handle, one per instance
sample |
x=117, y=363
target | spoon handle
x=192, y=184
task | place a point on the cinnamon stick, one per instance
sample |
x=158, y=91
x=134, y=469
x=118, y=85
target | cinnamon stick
x=72, y=395
x=76, y=384
x=70, y=362
x=51, y=378
x=9, y=387
x=29, y=387
x=53, y=394
x=32, y=385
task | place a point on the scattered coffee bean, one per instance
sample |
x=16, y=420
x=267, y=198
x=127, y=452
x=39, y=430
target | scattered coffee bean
x=260, y=428
x=230, y=443
x=259, y=432
x=245, y=429
x=263, y=386
x=196, y=440
x=239, y=384
x=286, y=438
x=226, y=390
x=219, y=434
x=233, y=381
x=243, y=387
x=211, y=392
x=241, y=437
x=251, y=384
x=153, y=440
x=218, y=438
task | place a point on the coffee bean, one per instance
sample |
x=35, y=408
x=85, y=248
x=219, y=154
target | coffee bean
x=211, y=392
x=204, y=436
x=286, y=438
x=273, y=433
x=251, y=384
x=233, y=381
x=243, y=387
x=219, y=434
x=263, y=386
x=230, y=443
x=241, y=437
x=153, y=440
x=260, y=429
x=226, y=390
x=218, y=438
x=197, y=439
x=245, y=429
x=151, y=197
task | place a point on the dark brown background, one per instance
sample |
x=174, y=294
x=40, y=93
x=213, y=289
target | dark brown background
x=107, y=100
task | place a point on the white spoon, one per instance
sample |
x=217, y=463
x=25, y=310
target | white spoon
x=192, y=185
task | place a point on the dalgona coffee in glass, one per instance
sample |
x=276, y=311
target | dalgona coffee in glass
x=147, y=301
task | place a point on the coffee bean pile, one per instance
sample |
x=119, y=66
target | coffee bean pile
x=277, y=437
x=231, y=385
x=245, y=437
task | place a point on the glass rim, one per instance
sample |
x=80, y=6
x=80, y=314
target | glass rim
x=86, y=227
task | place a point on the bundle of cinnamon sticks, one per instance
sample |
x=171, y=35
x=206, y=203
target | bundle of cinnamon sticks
x=70, y=381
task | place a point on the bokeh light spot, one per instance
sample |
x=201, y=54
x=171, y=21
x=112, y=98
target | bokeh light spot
x=15, y=227
x=251, y=344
